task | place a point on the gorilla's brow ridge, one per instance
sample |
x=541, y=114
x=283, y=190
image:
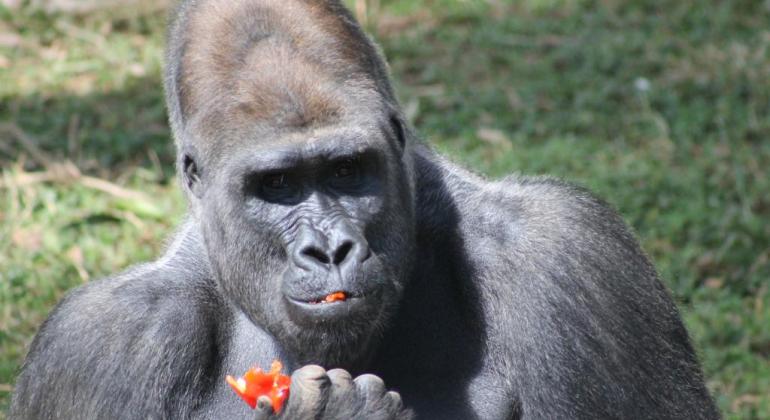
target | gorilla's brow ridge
x=291, y=155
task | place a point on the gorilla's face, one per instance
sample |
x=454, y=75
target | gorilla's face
x=313, y=213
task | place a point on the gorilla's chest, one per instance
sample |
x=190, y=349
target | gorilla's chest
x=246, y=346
x=442, y=369
x=447, y=384
x=436, y=375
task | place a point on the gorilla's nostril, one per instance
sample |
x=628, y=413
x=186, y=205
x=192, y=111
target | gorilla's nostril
x=316, y=254
x=342, y=252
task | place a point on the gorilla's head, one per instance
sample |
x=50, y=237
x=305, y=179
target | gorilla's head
x=297, y=164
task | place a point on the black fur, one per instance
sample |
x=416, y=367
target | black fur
x=524, y=298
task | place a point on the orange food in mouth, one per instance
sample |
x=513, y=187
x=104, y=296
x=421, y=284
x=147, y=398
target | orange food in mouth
x=336, y=296
x=256, y=383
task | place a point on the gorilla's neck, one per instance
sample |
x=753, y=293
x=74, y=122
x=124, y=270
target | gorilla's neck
x=186, y=254
x=438, y=304
x=440, y=187
x=353, y=353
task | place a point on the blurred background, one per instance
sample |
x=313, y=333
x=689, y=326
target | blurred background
x=662, y=107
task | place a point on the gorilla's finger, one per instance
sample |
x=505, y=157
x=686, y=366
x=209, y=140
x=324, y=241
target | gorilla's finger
x=310, y=377
x=394, y=401
x=264, y=408
x=340, y=378
x=370, y=386
x=309, y=391
x=344, y=401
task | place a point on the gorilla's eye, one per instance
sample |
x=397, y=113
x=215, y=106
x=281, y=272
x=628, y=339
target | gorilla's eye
x=275, y=182
x=273, y=187
x=346, y=169
x=278, y=187
x=348, y=175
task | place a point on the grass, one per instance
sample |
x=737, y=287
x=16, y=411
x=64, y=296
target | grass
x=661, y=107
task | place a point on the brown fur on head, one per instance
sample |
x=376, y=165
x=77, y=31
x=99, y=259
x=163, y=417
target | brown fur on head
x=292, y=64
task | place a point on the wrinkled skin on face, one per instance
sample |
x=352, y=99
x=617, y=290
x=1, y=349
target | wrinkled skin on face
x=326, y=211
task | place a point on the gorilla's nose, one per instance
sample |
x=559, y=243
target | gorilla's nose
x=343, y=248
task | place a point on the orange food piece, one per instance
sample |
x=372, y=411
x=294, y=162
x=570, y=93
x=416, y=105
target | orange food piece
x=334, y=297
x=256, y=383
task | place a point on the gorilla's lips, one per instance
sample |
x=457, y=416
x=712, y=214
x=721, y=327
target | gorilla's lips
x=333, y=297
x=331, y=307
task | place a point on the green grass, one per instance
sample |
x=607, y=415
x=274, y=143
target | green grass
x=661, y=107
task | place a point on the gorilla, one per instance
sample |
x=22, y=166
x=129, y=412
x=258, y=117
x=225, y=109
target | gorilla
x=461, y=297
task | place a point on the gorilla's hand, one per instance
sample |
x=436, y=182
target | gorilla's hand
x=316, y=393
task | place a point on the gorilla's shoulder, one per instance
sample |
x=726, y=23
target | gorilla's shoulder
x=120, y=341
x=544, y=206
x=143, y=296
x=546, y=224
x=555, y=248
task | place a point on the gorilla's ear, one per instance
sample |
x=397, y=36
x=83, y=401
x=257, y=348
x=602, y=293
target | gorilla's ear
x=399, y=130
x=191, y=175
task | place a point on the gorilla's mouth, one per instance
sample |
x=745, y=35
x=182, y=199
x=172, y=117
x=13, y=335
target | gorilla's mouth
x=335, y=305
x=338, y=296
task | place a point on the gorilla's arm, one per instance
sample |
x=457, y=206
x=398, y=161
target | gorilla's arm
x=156, y=342
x=118, y=348
x=588, y=328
